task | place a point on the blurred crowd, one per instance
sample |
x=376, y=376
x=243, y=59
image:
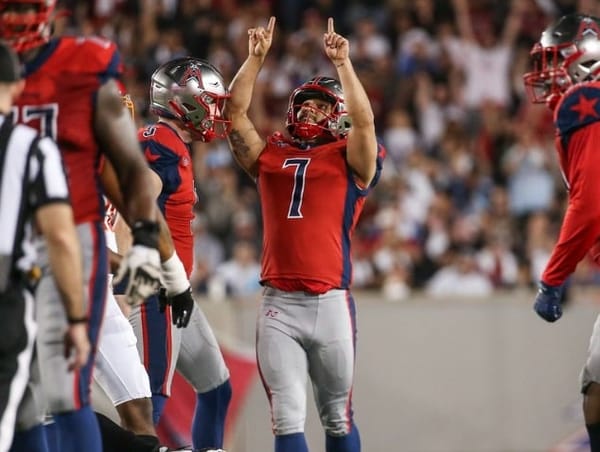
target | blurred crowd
x=471, y=196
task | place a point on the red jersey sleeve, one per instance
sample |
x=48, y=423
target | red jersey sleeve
x=581, y=224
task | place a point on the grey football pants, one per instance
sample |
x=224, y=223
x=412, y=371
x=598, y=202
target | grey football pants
x=300, y=336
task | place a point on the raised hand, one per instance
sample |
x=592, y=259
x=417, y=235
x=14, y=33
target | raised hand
x=260, y=39
x=336, y=46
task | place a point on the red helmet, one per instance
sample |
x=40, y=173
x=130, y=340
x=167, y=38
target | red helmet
x=26, y=24
x=567, y=53
x=334, y=126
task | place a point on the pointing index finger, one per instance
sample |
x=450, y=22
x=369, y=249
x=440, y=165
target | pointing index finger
x=271, y=25
x=330, y=25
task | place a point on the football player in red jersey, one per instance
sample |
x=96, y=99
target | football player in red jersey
x=565, y=76
x=71, y=95
x=187, y=95
x=312, y=188
x=118, y=371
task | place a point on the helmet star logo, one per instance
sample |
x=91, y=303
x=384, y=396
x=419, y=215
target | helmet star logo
x=192, y=71
x=587, y=27
x=585, y=107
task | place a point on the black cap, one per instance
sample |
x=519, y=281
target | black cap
x=10, y=67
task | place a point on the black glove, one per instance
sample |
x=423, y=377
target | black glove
x=163, y=301
x=182, y=305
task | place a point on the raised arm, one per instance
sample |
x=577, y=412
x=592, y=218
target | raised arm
x=512, y=24
x=361, y=149
x=245, y=142
x=463, y=19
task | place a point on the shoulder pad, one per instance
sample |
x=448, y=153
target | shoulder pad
x=90, y=54
x=579, y=107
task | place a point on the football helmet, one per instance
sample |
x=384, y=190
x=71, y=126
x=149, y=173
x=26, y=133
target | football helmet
x=26, y=24
x=335, y=125
x=567, y=53
x=192, y=91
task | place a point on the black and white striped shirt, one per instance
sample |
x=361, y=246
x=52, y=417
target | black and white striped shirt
x=31, y=175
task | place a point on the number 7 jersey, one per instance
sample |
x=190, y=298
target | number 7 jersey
x=310, y=206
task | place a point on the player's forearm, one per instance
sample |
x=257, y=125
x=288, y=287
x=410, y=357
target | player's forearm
x=361, y=147
x=356, y=100
x=579, y=232
x=122, y=235
x=571, y=248
x=166, y=247
x=114, y=261
x=242, y=86
x=139, y=199
x=64, y=253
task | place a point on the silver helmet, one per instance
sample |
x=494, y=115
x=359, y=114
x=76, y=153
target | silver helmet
x=192, y=91
x=567, y=53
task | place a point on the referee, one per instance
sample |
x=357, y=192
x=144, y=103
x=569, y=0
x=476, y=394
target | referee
x=34, y=200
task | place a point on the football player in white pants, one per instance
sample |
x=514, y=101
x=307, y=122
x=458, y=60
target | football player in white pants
x=120, y=374
x=119, y=371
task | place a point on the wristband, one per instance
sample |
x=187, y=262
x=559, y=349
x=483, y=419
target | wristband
x=145, y=233
x=76, y=320
x=173, y=275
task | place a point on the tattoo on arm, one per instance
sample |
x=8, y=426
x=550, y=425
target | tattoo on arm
x=238, y=145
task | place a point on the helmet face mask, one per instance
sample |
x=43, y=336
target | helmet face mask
x=26, y=24
x=549, y=76
x=308, y=118
x=567, y=53
x=192, y=91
